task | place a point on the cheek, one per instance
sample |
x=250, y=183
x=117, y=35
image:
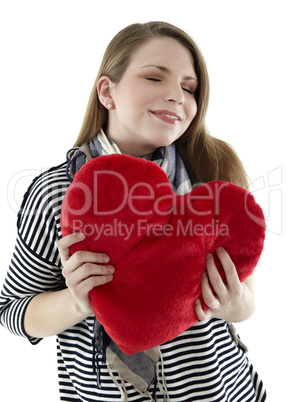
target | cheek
x=192, y=109
x=123, y=94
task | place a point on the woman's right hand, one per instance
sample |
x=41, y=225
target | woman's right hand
x=83, y=270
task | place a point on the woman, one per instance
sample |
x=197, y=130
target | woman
x=149, y=100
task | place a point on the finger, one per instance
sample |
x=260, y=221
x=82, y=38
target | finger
x=81, y=257
x=83, y=289
x=88, y=270
x=67, y=241
x=229, y=268
x=208, y=296
x=200, y=312
x=215, y=278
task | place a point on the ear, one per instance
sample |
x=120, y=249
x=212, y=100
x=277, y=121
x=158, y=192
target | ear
x=104, y=86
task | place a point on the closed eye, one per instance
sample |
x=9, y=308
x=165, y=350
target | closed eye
x=153, y=79
x=189, y=91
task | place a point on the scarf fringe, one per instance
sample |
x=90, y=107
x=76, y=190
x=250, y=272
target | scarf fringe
x=122, y=389
x=163, y=385
x=236, y=338
x=159, y=381
x=96, y=353
x=121, y=386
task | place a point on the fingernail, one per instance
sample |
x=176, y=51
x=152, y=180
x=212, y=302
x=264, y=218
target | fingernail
x=105, y=258
x=215, y=304
x=209, y=255
x=111, y=270
x=220, y=249
x=79, y=235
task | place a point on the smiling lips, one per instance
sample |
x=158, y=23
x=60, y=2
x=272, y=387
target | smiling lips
x=167, y=116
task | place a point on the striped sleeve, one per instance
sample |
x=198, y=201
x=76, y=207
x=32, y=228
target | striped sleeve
x=35, y=265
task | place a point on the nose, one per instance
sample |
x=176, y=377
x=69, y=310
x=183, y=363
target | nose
x=175, y=95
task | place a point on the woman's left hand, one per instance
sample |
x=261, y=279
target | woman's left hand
x=232, y=301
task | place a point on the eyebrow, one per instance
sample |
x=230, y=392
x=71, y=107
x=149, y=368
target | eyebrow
x=166, y=70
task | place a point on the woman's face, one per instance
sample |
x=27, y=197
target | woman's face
x=154, y=102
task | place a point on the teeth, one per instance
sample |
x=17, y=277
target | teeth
x=170, y=116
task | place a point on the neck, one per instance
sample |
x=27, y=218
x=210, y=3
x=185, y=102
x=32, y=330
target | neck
x=133, y=148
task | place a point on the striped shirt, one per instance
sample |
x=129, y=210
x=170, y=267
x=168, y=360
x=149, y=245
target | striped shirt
x=202, y=364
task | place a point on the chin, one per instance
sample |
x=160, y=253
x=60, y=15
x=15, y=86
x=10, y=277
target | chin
x=165, y=142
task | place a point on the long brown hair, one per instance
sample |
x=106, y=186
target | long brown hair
x=208, y=157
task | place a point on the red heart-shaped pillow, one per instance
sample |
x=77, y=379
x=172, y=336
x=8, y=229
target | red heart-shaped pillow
x=157, y=242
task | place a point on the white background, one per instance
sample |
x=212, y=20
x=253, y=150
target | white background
x=50, y=54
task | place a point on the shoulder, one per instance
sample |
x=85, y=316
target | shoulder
x=38, y=220
x=44, y=196
x=49, y=179
x=45, y=188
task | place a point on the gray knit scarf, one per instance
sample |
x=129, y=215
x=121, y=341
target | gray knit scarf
x=139, y=369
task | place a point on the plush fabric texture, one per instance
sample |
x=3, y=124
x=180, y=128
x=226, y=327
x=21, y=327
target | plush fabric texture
x=157, y=242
